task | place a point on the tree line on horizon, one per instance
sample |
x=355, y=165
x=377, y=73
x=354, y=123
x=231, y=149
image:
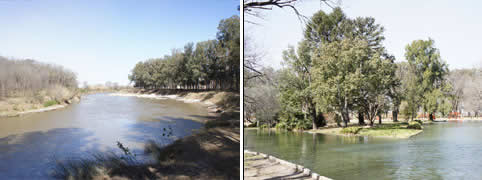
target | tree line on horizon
x=21, y=77
x=341, y=68
x=206, y=65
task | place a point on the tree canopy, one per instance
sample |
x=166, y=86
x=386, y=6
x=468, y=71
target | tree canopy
x=211, y=64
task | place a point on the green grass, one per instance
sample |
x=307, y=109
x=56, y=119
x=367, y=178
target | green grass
x=351, y=130
x=50, y=103
x=398, y=133
x=397, y=130
x=389, y=130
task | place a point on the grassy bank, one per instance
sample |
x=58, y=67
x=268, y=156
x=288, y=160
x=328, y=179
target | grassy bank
x=45, y=100
x=395, y=130
x=209, y=153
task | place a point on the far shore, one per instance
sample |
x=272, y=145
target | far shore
x=45, y=109
x=398, y=133
x=384, y=131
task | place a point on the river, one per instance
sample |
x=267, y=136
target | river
x=451, y=150
x=31, y=144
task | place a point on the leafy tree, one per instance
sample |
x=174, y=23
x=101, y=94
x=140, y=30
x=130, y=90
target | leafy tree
x=429, y=71
x=295, y=84
x=212, y=64
x=344, y=67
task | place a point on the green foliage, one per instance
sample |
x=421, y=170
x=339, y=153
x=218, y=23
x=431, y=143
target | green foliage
x=281, y=125
x=50, y=103
x=427, y=86
x=419, y=121
x=212, y=64
x=414, y=125
x=351, y=130
x=294, y=120
x=340, y=65
x=263, y=126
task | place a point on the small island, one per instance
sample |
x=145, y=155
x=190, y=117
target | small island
x=395, y=130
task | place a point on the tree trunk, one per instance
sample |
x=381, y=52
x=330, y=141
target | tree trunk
x=395, y=115
x=379, y=118
x=361, y=118
x=313, y=117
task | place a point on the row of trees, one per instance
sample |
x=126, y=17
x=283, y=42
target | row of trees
x=24, y=77
x=211, y=64
x=341, y=67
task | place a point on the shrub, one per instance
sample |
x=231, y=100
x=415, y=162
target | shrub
x=50, y=103
x=281, y=125
x=414, y=125
x=264, y=126
x=419, y=121
x=351, y=130
x=404, y=123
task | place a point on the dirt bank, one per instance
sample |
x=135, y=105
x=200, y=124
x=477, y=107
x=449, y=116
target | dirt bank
x=17, y=106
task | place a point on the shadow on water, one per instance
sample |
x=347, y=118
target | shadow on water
x=158, y=131
x=28, y=155
x=34, y=154
x=31, y=145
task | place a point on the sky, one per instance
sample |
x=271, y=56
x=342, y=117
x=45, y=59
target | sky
x=103, y=40
x=453, y=25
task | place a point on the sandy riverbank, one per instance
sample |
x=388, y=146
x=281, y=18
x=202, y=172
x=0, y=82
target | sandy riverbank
x=30, y=107
x=216, y=101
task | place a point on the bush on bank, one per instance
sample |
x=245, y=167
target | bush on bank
x=414, y=125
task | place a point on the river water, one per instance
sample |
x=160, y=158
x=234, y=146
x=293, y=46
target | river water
x=448, y=150
x=30, y=144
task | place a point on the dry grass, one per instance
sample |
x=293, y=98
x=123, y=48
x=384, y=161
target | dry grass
x=14, y=105
x=207, y=154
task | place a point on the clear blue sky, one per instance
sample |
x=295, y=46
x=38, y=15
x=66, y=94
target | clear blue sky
x=454, y=25
x=103, y=40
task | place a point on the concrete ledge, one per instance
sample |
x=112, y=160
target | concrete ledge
x=298, y=168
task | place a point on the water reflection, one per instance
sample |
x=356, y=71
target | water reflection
x=442, y=151
x=29, y=145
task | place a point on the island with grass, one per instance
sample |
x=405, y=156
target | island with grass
x=394, y=130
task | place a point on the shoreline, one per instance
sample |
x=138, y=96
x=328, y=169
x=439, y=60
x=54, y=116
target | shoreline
x=66, y=102
x=296, y=169
x=21, y=113
x=337, y=133
x=334, y=131
x=212, y=108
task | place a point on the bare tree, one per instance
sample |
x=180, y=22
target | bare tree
x=250, y=7
x=26, y=77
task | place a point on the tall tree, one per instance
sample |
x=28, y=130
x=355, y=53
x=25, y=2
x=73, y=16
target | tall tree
x=298, y=71
x=430, y=71
x=342, y=68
